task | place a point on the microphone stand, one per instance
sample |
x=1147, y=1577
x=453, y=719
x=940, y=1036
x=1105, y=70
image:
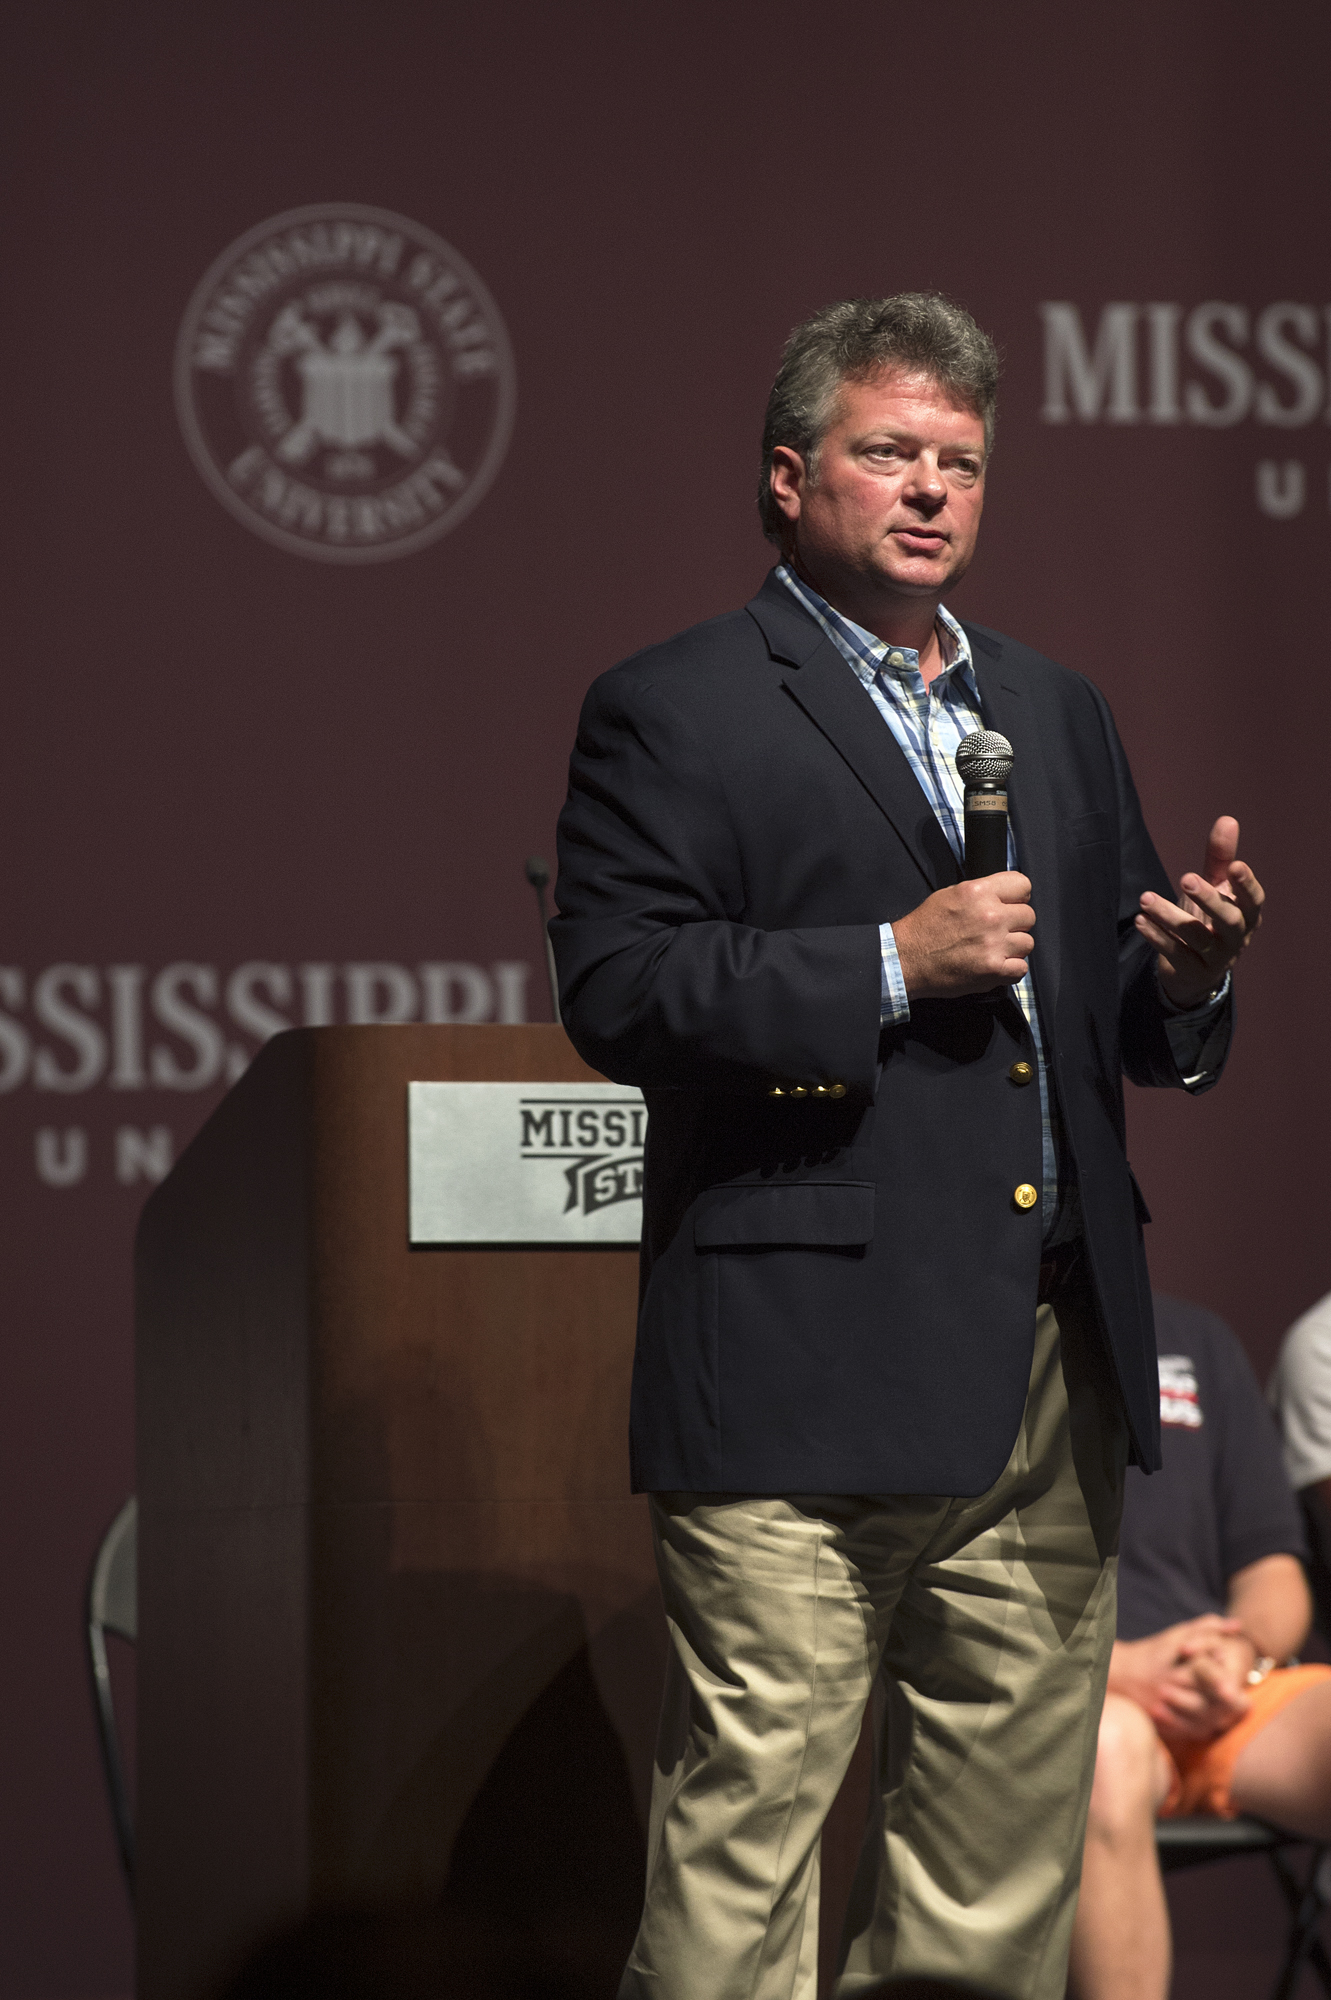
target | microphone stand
x=538, y=874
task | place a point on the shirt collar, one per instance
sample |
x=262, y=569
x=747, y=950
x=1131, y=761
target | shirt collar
x=870, y=655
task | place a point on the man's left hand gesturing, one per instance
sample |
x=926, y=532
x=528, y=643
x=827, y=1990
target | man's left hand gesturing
x=1200, y=938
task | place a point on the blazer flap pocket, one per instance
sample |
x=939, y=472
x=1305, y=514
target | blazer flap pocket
x=809, y=1214
x=1084, y=828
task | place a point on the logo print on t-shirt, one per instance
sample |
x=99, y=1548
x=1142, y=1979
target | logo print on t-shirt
x=1179, y=1401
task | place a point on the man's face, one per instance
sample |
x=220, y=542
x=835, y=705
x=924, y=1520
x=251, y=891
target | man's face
x=895, y=507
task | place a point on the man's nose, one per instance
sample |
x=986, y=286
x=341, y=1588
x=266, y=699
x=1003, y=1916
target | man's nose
x=926, y=486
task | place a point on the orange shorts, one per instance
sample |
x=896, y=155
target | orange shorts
x=1203, y=1772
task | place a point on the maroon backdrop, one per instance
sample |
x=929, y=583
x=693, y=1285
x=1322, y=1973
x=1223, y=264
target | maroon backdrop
x=221, y=754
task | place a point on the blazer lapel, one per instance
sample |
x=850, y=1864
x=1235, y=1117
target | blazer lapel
x=1030, y=801
x=831, y=694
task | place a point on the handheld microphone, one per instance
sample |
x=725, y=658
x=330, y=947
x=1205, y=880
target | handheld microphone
x=984, y=760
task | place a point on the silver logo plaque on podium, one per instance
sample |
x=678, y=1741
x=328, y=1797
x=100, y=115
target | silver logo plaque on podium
x=530, y=1163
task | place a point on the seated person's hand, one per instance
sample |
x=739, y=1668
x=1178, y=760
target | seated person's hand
x=1232, y=1652
x=1207, y=1691
x=1190, y=1678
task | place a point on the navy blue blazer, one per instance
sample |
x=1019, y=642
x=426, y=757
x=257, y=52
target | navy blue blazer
x=838, y=1289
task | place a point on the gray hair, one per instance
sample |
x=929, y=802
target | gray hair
x=850, y=342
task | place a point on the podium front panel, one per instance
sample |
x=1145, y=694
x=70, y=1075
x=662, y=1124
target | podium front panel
x=398, y=1609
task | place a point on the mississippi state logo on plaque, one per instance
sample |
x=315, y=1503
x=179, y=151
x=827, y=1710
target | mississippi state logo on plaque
x=345, y=383
x=550, y=1163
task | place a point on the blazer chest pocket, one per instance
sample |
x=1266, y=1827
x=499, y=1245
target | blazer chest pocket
x=812, y=1215
x=1086, y=828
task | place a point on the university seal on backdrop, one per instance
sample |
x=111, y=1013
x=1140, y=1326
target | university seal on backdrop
x=345, y=383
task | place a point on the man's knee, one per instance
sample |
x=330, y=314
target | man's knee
x=1123, y=1796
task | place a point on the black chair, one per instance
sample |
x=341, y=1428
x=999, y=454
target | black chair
x=1306, y=1884
x=113, y=1606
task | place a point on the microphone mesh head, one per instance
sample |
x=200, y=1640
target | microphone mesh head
x=983, y=757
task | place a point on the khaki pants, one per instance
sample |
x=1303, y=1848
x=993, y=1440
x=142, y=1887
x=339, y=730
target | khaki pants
x=992, y=1621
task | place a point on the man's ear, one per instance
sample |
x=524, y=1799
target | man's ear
x=788, y=479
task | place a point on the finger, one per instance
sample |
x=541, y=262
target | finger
x=1206, y=1633
x=1248, y=893
x=1175, y=938
x=1182, y=1676
x=1181, y=1689
x=1164, y=911
x=1218, y=907
x=1012, y=886
x=1200, y=1633
x=1221, y=847
x=1215, y=934
x=1201, y=901
x=1185, y=1703
x=1180, y=1694
x=1176, y=950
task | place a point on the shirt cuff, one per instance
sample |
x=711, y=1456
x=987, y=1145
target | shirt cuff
x=895, y=1005
x=1204, y=1011
x=1191, y=1031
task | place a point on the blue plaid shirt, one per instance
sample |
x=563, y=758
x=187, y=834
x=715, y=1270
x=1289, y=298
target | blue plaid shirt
x=928, y=723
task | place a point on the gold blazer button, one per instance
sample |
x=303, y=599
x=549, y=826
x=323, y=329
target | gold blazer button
x=1021, y=1072
x=1025, y=1196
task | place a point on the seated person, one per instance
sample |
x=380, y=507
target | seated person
x=1300, y=1395
x=1203, y=1714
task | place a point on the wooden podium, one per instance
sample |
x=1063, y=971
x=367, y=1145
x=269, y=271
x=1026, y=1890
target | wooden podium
x=398, y=1616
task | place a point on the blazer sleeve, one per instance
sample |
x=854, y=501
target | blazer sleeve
x=1147, y=1054
x=662, y=981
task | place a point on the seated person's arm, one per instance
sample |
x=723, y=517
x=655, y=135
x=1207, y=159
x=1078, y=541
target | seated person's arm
x=1270, y=1600
x=1192, y=1678
x=1269, y=1614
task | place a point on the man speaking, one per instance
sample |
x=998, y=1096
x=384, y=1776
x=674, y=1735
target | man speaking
x=895, y=1345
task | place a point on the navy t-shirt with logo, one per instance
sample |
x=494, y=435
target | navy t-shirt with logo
x=1222, y=1500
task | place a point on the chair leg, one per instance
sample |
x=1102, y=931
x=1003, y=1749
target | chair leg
x=1307, y=1898
x=109, y=1741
